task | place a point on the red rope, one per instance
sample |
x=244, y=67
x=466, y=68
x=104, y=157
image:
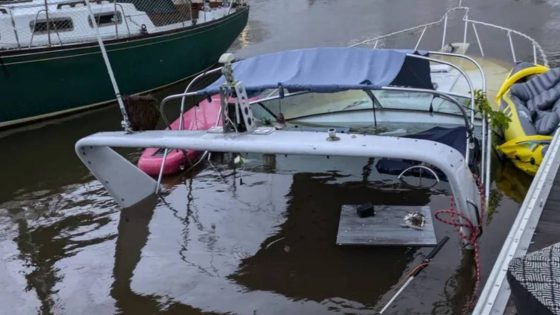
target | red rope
x=456, y=219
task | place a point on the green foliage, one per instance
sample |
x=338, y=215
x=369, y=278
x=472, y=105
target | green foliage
x=499, y=120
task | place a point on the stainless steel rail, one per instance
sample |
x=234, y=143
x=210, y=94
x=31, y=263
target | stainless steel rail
x=537, y=50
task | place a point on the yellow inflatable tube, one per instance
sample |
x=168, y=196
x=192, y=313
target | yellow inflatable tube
x=525, y=151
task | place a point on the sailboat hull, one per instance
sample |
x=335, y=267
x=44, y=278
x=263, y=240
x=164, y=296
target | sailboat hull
x=41, y=83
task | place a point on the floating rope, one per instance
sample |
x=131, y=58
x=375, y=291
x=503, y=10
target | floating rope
x=453, y=217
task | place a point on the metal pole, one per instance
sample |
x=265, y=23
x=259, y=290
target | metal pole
x=48, y=22
x=444, y=31
x=116, y=18
x=466, y=28
x=535, y=54
x=160, y=175
x=125, y=122
x=488, y=163
x=511, y=46
x=420, y=38
x=421, y=267
x=14, y=27
x=483, y=149
x=478, y=39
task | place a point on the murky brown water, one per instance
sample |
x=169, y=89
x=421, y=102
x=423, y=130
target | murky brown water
x=252, y=240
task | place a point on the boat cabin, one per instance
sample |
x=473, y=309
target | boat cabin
x=61, y=22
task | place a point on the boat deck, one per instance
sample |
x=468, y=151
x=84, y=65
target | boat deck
x=537, y=226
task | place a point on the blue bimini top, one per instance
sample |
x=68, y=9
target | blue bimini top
x=330, y=70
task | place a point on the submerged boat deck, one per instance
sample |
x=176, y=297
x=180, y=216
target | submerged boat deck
x=537, y=226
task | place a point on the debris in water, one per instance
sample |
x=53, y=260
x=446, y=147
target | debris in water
x=365, y=210
x=414, y=220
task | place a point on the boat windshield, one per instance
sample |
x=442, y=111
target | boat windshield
x=300, y=105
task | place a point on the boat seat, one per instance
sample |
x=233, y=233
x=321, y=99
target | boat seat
x=540, y=95
x=536, y=85
x=535, y=283
x=453, y=137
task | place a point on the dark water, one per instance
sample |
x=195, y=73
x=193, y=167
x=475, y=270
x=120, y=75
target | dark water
x=258, y=239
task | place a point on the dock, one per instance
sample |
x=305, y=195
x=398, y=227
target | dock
x=536, y=226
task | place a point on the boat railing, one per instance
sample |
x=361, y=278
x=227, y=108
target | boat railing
x=118, y=9
x=54, y=23
x=49, y=23
x=538, y=53
x=13, y=22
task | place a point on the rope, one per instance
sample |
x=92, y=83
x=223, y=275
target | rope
x=453, y=217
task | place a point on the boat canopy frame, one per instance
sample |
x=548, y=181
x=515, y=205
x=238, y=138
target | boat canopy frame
x=486, y=144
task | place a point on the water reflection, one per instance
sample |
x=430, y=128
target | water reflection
x=52, y=228
x=133, y=234
x=303, y=251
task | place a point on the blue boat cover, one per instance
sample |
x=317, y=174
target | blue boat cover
x=330, y=70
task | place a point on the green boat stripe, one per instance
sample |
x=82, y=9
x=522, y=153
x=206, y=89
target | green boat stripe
x=153, y=42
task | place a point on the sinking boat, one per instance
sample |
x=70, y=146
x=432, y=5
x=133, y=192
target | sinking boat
x=383, y=82
x=50, y=48
x=411, y=112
